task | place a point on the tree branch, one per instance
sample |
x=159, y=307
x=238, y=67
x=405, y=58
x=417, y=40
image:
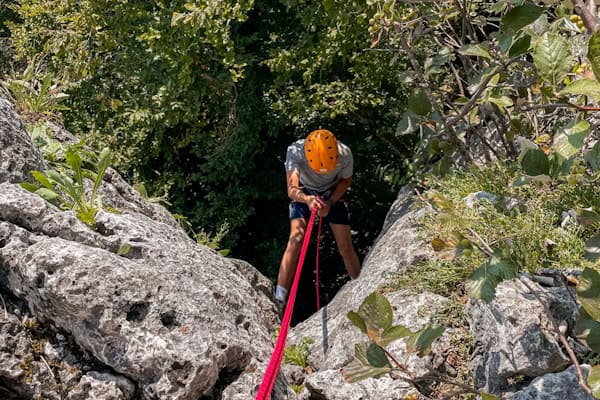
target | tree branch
x=588, y=18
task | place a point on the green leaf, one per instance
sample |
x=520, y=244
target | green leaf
x=359, y=368
x=377, y=357
x=594, y=53
x=552, y=58
x=419, y=103
x=592, y=248
x=521, y=16
x=42, y=179
x=49, y=195
x=357, y=321
x=520, y=46
x=422, y=340
x=586, y=87
x=29, y=186
x=224, y=252
x=55, y=177
x=588, y=292
x=103, y=163
x=74, y=161
x=124, y=249
x=394, y=333
x=477, y=50
x=593, y=381
x=588, y=330
x=571, y=138
x=501, y=101
x=487, y=396
x=376, y=311
x=534, y=162
x=408, y=124
x=593, y=157
x=482, y=283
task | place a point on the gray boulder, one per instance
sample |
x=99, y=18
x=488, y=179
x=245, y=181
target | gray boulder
x=512, y=335
x=562, y=385
x=18, y=156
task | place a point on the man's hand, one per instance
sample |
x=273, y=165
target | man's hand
x=321, y=205
x=315, y=202
x=324, y=211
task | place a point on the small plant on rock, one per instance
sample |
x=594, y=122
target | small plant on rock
x=298, y=354
x=64, y=186
x=374, y=318
x=36, y=94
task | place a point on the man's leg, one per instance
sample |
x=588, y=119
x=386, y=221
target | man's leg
x=343, y=239
x=291, y=254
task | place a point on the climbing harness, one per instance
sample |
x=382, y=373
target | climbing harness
x=264, y=392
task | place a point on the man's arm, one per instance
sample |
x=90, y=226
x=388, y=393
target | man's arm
x=296, y=194
x=341, y=188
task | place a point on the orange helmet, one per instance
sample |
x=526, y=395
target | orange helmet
x=321, y=151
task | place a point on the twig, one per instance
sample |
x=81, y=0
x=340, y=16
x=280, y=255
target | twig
x=48, y=366
x=487, y=247
x=573, y=358
x=531, y=107
x=448, y=127
x=398, y=363
x=440, y=378
x=458, y=80
x=420, y=197
x=588, y=18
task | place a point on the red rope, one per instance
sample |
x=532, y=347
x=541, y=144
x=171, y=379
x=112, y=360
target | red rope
x=317, y=264
x=264, y=392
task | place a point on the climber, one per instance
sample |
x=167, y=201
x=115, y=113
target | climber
x=318, y=172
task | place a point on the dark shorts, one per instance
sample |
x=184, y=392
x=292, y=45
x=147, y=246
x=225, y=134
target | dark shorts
x=338, y=214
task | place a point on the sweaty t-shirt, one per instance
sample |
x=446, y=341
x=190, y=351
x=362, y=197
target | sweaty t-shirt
x=296, y=160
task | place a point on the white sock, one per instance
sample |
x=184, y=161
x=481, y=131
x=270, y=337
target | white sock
x=281, y=293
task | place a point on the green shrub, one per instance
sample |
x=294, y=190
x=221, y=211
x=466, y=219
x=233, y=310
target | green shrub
x=526, y=228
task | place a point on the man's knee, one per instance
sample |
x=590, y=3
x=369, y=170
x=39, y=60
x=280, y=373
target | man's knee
x=295, y=240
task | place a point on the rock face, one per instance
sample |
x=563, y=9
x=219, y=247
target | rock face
x=17, y=154
x=512, y=335
x=397, y=249
x=562, y=385
x=176, y=318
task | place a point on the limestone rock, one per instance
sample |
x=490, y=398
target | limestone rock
x=18, y=155
x=330, y=385
x=99, y=387
x=561, y=385
x=512, y=334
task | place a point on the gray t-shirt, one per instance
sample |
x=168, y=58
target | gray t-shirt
x=296, y=160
